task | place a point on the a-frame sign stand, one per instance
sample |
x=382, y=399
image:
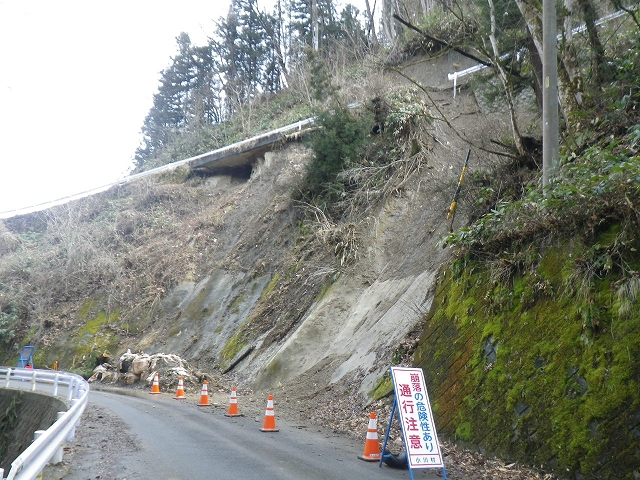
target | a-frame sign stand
x=26, y=357
x=411, y=402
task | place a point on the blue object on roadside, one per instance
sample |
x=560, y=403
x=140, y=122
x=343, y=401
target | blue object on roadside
x=26, y=357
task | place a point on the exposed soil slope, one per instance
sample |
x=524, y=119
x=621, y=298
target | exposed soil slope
x=264, y=301
x=280, y=314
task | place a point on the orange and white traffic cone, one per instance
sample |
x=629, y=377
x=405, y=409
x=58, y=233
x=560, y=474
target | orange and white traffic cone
x=269, y=424
x=180, y=390
x=371, y=444
x=233, y=404
x=204, y=396
x=155, y=388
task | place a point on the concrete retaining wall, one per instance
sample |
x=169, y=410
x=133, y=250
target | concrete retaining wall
x=31, y=412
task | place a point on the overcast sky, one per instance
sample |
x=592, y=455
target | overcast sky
x=77, y=79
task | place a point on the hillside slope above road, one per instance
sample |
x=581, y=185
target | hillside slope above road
x=254, y=288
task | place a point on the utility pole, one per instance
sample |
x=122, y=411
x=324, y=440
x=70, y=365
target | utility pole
x=550, y=141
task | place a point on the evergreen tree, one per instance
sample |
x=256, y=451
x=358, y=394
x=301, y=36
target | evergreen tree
x=242, y=50
x=224, y=48
x=186, y=95
x=253, y=47
x=300, y=24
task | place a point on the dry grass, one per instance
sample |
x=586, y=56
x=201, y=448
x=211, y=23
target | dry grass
x=126, y=247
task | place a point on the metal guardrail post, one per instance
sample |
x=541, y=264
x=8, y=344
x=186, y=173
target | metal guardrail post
x=36, y=435
x=72, y=432
x=57, y=457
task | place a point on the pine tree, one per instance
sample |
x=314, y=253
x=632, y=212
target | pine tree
x=187, y=95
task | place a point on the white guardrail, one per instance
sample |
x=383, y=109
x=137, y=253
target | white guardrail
x=49, y=443
x=453, y=77
x=76, y=196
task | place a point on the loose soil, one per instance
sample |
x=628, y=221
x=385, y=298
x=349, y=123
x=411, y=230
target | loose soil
x=323, y=358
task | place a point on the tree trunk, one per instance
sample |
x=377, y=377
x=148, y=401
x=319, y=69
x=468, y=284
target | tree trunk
x=507, y=85
x=371, y=26
x=389, y=7
x=536, y=63
x=569, y=71
x=314, y=24
x=569, y=81
x=598, y=64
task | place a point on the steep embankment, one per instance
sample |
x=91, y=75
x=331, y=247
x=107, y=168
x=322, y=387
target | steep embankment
x=517, y=366
x=229, y=274
x=281, y=310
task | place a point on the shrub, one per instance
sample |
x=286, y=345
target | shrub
x=337, y=142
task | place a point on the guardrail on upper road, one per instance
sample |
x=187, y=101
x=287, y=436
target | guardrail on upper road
x=29, y=464
x=218, y=152
x=453, y=77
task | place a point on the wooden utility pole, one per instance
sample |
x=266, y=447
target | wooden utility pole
x=550, y=141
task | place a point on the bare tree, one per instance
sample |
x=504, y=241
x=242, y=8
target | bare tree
x=505, y=80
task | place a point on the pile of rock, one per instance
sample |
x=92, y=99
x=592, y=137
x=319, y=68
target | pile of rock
x=131, y=368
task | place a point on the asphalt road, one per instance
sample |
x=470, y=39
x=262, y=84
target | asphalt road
x=177, y=440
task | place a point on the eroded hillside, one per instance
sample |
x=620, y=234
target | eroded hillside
x=249, y=285
x=203, y=266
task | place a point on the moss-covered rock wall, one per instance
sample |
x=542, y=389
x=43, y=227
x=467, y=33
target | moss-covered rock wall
x=541, y=365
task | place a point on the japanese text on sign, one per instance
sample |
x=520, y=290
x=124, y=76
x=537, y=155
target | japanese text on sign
x=421, y=440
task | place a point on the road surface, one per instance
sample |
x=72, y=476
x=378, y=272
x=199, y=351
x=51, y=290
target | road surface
x=177, y=440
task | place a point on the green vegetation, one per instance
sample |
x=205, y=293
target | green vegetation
x=93, y=339
x=531, y=346
x=561, y=385
x=336, y=145
x=232, y=347
x=216, y=94
x=8, y=421
x=383, y=388
x=541, y=305
x=8, y=317
x=270, y=287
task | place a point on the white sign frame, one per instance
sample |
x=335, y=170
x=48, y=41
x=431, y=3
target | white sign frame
x=416, y=420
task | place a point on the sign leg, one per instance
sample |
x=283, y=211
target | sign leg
x=386, y=435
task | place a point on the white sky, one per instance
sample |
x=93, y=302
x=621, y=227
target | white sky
x=77, y=78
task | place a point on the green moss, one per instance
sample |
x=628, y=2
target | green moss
x=86, y=308
x=233, y=346
x=463, y=432
x=28, y=337
x=560, y=387
x=89, y=342
x=93, y=325
x=270, y=287
x=383, y=388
